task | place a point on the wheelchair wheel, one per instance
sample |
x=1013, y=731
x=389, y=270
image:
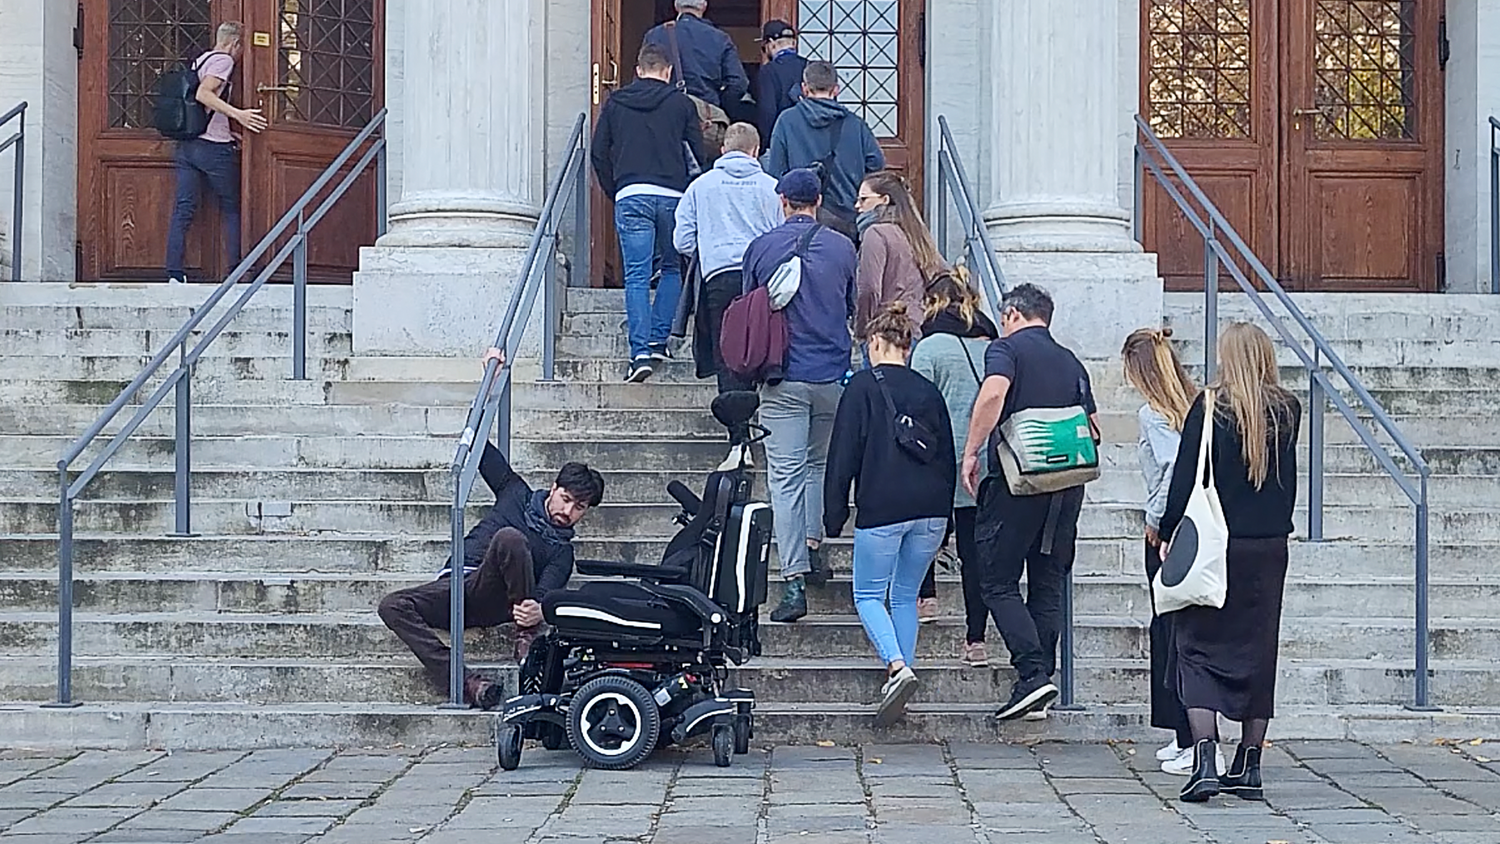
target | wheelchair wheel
x=554, y=737
x=613, y=723
x=742, y=735
x=723, y=742
x=508, y=743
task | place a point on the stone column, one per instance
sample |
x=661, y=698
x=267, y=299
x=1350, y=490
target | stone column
x=1055, y=215
x=437, y=283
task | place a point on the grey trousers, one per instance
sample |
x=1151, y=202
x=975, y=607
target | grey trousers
x=799, y=417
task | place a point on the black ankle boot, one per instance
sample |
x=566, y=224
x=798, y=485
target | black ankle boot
x=1243, y=779
x=1204, y=782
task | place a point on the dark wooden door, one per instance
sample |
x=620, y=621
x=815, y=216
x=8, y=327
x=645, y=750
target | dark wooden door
x=126, y=182
x=1314, y=125
x=608, y=73
x=316, y=69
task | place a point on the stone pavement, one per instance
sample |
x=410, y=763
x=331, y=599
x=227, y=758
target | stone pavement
x=1318, y=793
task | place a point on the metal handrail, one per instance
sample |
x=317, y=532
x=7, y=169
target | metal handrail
x=18, y=202
x=1151, y=154
x=489, y=405
x=181, y=378
x=1494, y=205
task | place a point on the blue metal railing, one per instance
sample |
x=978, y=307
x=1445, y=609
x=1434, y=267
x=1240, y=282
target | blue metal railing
x=538, y=274
x=181, y=378
x=18, y=202
x=1494, y=205
x=1219, y=237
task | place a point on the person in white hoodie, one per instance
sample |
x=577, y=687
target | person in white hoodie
x=722, y=211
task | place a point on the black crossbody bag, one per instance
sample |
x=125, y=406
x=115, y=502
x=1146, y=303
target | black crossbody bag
x=912, y=436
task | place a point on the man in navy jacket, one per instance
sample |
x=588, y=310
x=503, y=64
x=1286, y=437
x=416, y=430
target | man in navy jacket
x=778, y=87
x=711, y=65
x=521, y=550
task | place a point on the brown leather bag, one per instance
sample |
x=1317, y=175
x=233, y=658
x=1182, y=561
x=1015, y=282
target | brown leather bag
x=713, y=122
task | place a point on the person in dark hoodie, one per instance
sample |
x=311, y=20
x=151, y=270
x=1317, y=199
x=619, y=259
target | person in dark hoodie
x=521, y=550
x=821, y=134
x=643, y=137
x=779, y=84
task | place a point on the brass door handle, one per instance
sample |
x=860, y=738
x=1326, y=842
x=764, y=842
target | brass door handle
x=1306, y=112
x=261, y=89
x=599, y=81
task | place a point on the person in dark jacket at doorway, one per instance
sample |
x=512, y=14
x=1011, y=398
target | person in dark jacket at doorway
x=711, y=67
x=642, y=140
x=779, y=85
x=819, y=133
x=521, y=550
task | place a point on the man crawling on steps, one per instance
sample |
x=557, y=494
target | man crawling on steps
x=521, y=550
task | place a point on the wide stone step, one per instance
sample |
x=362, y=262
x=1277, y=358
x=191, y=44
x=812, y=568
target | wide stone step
x=320, y=318
x=399, y=680
x=1341, y=317
x=362, y=636
x=85, y=342
x=229, y=420
x=207, y=390
x=1377, y=352
x=125, y=368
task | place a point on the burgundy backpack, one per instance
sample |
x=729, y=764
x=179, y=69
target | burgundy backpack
x=752, y=340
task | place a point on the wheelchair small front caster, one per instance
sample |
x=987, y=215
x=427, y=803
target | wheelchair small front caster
x=723, y=742
x=508, y=743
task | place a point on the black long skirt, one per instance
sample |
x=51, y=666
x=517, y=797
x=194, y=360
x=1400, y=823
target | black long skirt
x=1226, y=658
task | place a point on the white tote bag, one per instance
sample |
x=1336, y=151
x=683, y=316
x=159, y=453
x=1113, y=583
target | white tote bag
x=1194, y=572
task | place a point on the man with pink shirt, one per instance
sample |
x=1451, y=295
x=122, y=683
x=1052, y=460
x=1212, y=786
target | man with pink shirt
x=213, y=156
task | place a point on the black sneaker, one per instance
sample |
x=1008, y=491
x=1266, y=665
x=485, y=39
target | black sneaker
x=1028, y=696
x=640, y=370
x=661, y=354
x=818, y=575
x=793, y=602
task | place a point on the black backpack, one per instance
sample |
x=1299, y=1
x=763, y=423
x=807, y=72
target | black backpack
x=177, y=114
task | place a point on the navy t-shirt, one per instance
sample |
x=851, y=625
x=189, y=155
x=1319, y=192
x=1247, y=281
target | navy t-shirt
x=1042, y=372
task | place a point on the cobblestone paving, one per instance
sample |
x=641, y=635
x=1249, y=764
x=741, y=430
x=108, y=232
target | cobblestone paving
x=1318, y=793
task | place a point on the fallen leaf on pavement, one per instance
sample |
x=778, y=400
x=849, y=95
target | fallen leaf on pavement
x=1476, y=742
x=825, y=743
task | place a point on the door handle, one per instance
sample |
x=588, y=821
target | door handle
x=1306, y=112
x=599, y=81
x=262, y=89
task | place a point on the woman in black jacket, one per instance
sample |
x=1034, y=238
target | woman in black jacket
x=893, y=440
x=1226, y=658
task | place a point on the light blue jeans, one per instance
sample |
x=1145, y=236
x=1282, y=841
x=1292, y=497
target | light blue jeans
x=890, y=562
x=644, y=224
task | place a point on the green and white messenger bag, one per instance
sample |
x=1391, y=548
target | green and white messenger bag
x=1047, y=449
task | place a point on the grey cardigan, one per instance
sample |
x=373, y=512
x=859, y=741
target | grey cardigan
x=950, y=363
x=1158, y=451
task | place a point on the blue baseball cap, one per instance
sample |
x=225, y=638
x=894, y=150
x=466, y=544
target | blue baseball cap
x=801, y=187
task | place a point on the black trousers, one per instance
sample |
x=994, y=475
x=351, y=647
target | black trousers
x=505, y=578
x=976, y=617
x=1167, y=712
x=1037, y=535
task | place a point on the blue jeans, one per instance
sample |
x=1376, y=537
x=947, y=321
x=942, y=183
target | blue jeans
x=219, y=165
x=891, y=561
x=645, y=225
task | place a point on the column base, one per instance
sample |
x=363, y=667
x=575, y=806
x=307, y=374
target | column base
x=437, y=301
x=1100, y=296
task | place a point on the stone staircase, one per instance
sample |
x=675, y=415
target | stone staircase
x=314, y=498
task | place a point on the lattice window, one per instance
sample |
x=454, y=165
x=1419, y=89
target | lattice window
x=326, y=59
x=1200, y=54
x=860, y=38
x=146, y=39
x=1364, y=61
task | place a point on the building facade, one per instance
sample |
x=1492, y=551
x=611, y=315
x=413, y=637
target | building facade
x=1346, y=139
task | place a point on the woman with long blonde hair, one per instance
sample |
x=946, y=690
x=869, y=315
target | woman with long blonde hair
x=897, y=255
x=1153, y=369
x=1226, y=658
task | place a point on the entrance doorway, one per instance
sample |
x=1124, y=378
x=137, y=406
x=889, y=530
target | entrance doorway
x=1316, y=126
x=314, y=67
x=877, y=46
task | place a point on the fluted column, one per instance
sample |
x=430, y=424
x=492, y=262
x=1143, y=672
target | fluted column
x=1056, y=127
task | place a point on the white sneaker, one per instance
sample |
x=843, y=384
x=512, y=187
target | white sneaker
x=1170, y=751
x=1182, y=764
x=897, y=691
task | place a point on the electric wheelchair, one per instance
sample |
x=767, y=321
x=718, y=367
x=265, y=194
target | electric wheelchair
x=638, y=662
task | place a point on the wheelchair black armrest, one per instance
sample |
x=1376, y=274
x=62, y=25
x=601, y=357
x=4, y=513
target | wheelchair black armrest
x=646, y=571
x=710, y=611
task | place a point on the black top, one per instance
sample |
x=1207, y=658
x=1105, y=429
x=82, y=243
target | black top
x=639, y=137
x=551, y=562
x=711, y=66
x=1250, y=513
x=891, y=486
x=1042, y=372
x=778, y=88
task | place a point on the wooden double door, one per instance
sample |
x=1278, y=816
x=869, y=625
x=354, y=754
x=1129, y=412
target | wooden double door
x=314, y=67
x=1316, y=126
x=877, y=45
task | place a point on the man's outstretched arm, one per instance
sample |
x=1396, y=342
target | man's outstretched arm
x=493, y=466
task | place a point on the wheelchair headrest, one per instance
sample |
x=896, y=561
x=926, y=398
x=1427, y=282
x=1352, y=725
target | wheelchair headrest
x=734, y=409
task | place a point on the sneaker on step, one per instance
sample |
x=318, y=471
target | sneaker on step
x=482, y=694
x=1170, y=751
x=1027, y=695
x=927, y=610
x=1181, y=765
x=661, y=354
x=1038, y=714
x=898, y=689
x=975, y=655
x=793, y=601
x=172, y=279
x=640, y=370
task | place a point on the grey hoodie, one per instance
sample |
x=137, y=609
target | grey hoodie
x=723, y=210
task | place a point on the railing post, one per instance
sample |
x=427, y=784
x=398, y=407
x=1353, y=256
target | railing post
x=18, y=202
x=502, y=417
x=940, y=209
x=1139, y=193
x=1065, y=699
x=1210, y=304
x=549, y=308
x=299, y=302
x=456, y=578
x=1494, y=213
x=1315, y=402
x=581, y=238
x=182, y=446
x=382, y=215
x=1422, y=703
x=64, y=594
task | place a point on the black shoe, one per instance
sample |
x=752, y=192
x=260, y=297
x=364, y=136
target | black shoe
x=818, y=575
x=640, y=370
x=1028, y=696
x=1203, y=783
x=661, y=354
x=1243, y=778
x=793, y=602
x=482, y=693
